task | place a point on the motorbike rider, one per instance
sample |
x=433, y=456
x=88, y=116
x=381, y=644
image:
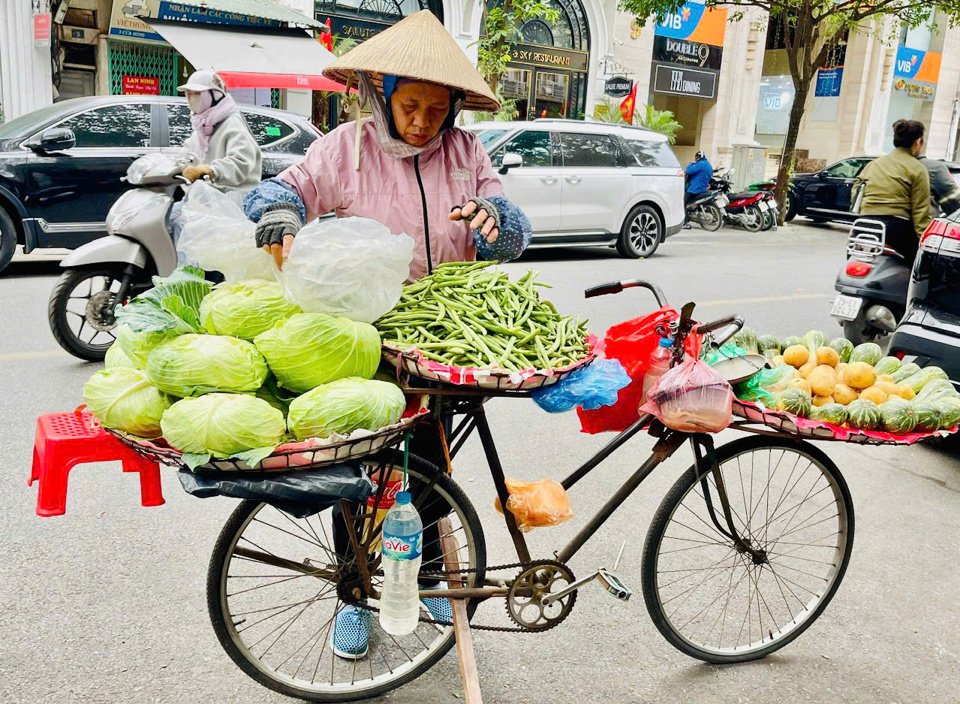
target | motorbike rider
x=944, y=191
x=896, y=190
x=410, y=168
x=221, y=140
x=698, y=174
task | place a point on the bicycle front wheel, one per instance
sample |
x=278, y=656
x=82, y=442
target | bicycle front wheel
x=276, y=585
x=720, y=603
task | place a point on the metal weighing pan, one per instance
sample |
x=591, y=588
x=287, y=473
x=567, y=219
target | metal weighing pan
x=739, y=369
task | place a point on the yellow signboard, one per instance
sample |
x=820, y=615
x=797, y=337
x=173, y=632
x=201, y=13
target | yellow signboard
x=124, y=22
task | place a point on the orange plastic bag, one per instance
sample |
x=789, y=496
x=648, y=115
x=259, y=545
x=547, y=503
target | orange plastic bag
x=537, y=504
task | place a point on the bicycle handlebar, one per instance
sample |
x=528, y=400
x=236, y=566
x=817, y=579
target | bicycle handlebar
x=735, y=322
x=618, y=286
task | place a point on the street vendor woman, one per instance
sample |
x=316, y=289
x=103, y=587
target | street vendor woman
x=410, y=168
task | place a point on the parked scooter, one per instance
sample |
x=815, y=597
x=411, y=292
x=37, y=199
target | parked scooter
x=872, y=286
x=113, y=269
x=707, y=210
x=747, y=209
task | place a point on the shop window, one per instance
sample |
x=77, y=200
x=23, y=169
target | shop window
x=124, y=126
x=534, y=146
x=581, y=150
x=650, y=153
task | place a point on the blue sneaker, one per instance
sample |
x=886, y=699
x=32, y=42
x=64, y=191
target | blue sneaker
x=439, y=607
x=351, y=633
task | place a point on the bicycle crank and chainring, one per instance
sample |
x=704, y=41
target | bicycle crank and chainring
x=525, y=599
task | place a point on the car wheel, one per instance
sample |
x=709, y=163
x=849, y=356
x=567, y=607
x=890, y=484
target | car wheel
x=641, y=233
x=791, y=209
x=8, y=238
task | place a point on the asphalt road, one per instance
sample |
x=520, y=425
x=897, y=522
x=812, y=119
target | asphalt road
x=106, y=604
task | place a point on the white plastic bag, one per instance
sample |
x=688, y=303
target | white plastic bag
x=353, y=267
x=217, y=236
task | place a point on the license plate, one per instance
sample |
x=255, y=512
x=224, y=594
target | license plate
x=846, y=307
x=764, y=205
x=722, y=201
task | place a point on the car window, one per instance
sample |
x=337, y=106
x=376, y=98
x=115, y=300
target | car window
x=488, y=137
x=267, y=129
x=178, y=124
x=589, y=150
x=532, y=145
x=652, y=153
x=846, y=169
x=125, y=126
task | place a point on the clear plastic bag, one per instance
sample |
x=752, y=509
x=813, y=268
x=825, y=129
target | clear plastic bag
x=352, y=267
x=537, y=504
x=217, y=236
x=765, y=385
x=728, y=351
x=591, y=387
x=152, y=165
x=692, y=397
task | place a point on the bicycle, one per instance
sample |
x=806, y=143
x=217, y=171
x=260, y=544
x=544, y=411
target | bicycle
x=744, y=553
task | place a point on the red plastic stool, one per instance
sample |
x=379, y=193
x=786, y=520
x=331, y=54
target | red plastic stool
x=67, y=439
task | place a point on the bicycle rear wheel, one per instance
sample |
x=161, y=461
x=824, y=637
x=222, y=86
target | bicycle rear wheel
x=276, y=583
x=714, y=601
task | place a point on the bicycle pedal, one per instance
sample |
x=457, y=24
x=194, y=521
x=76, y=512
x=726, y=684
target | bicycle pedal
x=614, y=585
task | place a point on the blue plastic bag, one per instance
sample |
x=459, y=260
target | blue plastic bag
x=591, y=387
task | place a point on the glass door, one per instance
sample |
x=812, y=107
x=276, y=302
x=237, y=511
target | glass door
x=515, y=85
x=552, y=93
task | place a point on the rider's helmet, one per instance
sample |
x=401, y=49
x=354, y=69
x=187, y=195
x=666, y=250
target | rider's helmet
x=699, y=156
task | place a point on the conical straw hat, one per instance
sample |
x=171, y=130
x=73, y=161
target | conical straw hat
x=416, y=47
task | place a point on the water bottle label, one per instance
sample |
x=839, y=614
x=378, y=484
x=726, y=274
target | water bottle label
x=399, y=547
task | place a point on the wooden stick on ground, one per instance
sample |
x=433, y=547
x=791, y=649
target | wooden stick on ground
x=461, y=622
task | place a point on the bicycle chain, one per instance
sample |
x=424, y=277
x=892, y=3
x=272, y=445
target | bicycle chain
x=473, y=626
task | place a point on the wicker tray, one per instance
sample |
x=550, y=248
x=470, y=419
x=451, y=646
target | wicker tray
x=415, y=364
x=790, y=424
x=292, y=456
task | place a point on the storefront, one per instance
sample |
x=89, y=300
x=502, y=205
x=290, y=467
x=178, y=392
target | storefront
x=685, y=71
x=547, y=74
x=915, y=76
x=359, y=20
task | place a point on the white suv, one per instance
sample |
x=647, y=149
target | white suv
x=589, y=183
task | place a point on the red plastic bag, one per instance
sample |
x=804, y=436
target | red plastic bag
x=631, y=343
x=692, y=397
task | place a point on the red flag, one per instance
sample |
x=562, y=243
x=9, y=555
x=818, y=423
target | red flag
x=628, y=105
x=326, y=36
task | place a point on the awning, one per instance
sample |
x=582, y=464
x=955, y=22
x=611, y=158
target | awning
x=252, y=58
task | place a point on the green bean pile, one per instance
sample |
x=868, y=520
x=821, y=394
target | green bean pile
x=468, y=315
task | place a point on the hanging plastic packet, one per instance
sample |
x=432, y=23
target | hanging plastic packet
x=537, y=504
x=692, y=397
x=590, y=387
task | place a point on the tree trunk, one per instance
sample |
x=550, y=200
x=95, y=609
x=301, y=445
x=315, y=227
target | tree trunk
x=789, y=147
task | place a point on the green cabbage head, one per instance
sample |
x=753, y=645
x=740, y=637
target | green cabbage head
x=223, y=425
x=245, y=309
x=116, y=357
x=123, y=398
x=191, y=365
x=309, y=349
x=344, y=406
x=137, y=346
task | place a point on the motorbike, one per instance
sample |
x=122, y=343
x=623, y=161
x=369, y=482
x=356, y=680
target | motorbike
x=707, y=210
x=872, y=285
x=748, y=209
x=111, y=270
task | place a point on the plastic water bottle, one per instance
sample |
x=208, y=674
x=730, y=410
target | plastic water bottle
x=402, y=544
x=659, y=365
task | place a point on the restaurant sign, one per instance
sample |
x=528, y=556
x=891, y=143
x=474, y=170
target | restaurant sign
x=351, y=27
x=671, y=79
x=686, y=53
x=549, y=57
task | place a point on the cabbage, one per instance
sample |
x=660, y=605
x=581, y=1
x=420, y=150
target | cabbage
x=274, y=395
x=245, y=309
x=123, y=398
x=137, y=346
x=344, y=406
x=190, y=365
x=116, y=357
x=309, y=349
x=223, y=425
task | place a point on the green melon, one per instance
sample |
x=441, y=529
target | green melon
x=949, y=408
x=790, y=342
x=814, y=339
x=936, y=389
x=923, y=377
x=747, y=339
x=898, y=416
x=929, y=416
x=887, y=365
x=843, y=346
x=863, y=415
x=868, y=352
x=906, y=370
x=833, y=413
x=768, y=343
x=795, y=401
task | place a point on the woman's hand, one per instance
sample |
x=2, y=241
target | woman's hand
x=482, y=219
x=276, y=229
x=192, y=173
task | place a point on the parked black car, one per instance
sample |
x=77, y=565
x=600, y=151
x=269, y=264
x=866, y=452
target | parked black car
x=930, y=330
x=55, y=192
x=828, y=195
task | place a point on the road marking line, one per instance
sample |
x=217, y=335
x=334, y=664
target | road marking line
x=40, y=354
x=767, y=299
